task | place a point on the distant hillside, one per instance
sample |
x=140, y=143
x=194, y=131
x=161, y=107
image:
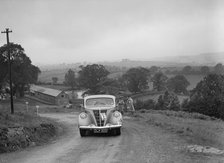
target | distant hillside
x=131, y=63
x=124, y=63
x=209, y=59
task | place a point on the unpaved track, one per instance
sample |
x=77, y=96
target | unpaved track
x=138, y=143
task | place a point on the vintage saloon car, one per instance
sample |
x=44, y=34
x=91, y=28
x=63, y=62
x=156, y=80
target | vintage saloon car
x=100, y=115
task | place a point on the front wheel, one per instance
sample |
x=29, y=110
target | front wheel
x=116, y=131
x=82, y=132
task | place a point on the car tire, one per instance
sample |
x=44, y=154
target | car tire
x=118, y=131
x=82, y=132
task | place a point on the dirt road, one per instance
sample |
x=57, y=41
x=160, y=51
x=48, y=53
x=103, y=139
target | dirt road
x=138, y=143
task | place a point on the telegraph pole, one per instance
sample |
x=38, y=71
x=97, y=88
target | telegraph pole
x=7, y=31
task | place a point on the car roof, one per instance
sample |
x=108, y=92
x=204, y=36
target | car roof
x=98, y=96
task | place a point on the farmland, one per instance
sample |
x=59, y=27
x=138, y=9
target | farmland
x=193, y=80
x=46, y=77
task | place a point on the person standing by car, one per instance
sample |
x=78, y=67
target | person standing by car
x=130, y=105
x=121, y=104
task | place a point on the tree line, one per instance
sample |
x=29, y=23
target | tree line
x=202, y=70
x=136, y=80
x=206, y=98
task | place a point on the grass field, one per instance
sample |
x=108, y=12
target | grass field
x=46, y=76
x=193, y=80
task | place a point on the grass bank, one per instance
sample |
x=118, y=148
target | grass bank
x=193, y=127
x=24, y=128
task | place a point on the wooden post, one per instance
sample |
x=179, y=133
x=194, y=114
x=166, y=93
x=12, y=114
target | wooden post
x=7, y=31
x=37, y=106
x=27, y=103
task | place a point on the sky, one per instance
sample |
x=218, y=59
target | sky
x=70, y=31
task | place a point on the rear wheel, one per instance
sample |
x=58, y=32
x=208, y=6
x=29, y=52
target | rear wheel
x=82, y=132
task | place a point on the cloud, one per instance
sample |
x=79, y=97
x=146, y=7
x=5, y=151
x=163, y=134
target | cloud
x=96, y=30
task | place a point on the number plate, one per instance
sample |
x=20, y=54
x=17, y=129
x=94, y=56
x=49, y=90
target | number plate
x=104, y=130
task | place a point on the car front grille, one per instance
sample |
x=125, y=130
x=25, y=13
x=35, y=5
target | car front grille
x=99, y=121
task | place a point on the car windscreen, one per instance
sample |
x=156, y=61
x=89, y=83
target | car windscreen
x=99, y=102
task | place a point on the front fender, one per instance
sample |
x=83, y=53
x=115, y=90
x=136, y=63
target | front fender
x=116, y=120
x=84, y=121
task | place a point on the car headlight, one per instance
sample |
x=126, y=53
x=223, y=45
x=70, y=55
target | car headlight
x=116, y=114
x=83, y=115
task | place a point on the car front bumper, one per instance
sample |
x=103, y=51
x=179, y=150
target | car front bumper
x=92, y=127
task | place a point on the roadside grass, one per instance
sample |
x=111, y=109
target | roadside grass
x=20, y=119
x=20, y=106
x=25, y=127
x=58, y=109
x=22, y=116
x=194, y=127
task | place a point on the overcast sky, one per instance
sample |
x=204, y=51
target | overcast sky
x=57, y=31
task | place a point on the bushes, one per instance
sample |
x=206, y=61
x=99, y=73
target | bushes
x=149, y=104
x=208, y=97
x=168, y=101
x=14, y=138
x=184, y=104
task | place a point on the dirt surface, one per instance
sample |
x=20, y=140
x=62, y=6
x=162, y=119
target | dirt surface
x=138, y=143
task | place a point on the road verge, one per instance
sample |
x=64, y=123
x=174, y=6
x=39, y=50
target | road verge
x=196, y=128
x=21, y=130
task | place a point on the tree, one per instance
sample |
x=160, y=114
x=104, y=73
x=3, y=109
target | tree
x=184, y=104
x=205, y=70
x=160, y=103
x=208, y=96
x=174, y=104
x=108, y=86
x=219, y=68
x=154, y=69
x=23, y=71
x=137, y=79
x=187, y=70
x=178, y=84
x=159, y=81
x=54, y=80
x=70, y=79
x=168, y=101
x=122, y=83
x=91, y=75
x=3, y=69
